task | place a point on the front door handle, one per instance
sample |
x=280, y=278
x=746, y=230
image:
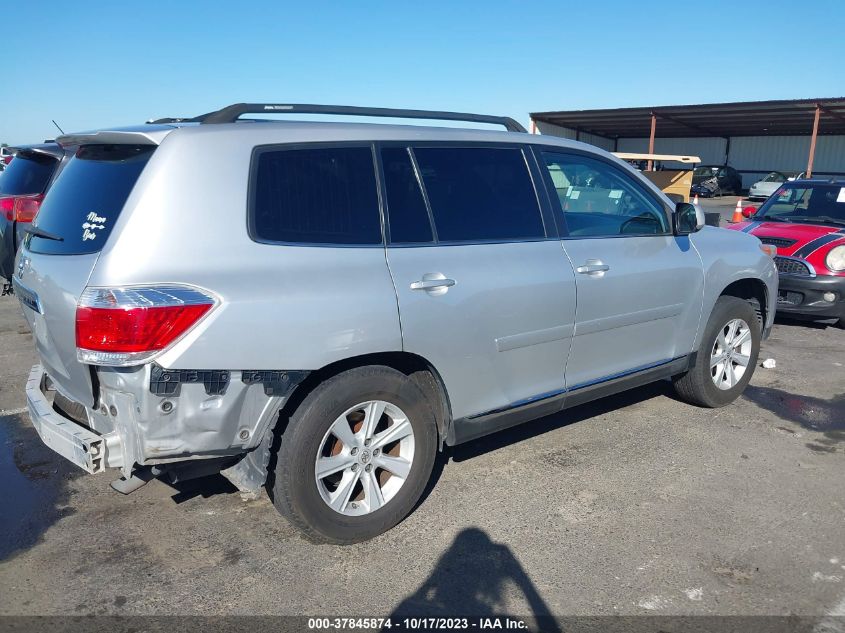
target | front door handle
x=433, y=283
x=594, y=267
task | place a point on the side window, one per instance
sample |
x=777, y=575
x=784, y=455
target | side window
x=318, y=195
x=597, y=199
x=406, y=210
x=480, y=193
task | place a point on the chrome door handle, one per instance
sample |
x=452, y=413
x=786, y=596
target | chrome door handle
x=432, y=284
x=593, y=267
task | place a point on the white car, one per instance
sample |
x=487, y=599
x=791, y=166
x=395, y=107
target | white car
x=6, y=154
x=762, y=189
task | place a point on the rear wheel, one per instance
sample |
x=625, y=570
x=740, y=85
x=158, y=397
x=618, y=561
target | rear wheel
x=726, y=357
x=356, y=456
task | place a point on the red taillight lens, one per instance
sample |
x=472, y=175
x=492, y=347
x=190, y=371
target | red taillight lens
x=27, y=208
x=21, y=208
x=7, y=208
x=126, y=326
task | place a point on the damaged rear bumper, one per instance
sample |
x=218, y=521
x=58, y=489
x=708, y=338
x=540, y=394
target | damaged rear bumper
x=91, y=451
x=150, y=417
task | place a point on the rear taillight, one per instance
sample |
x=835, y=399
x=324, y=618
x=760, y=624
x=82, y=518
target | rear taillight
x=128, y=326
x=7, y=208
x=21, y=208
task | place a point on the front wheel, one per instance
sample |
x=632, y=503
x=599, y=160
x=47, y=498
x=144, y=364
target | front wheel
x=355, y=456
x=726, y=357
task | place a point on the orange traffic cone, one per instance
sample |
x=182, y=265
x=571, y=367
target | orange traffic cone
x=737, y=212
x=695, y=200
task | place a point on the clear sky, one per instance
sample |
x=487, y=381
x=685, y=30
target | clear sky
x=96, y=64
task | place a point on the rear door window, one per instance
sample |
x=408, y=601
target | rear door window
x=315, y=195
x=480, y=194
x=85, y=201
x=27, y=174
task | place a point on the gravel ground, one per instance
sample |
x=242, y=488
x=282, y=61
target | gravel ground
x=636, y=504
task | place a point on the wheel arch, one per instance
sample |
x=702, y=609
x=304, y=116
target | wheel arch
x=752, y=290
x=417, y=368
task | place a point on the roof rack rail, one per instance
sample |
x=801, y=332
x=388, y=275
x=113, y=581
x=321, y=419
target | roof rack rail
x=231, y=113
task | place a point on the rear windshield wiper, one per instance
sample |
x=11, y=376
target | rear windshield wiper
x=35, y=231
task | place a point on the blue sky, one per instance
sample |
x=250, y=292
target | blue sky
x=96, y=64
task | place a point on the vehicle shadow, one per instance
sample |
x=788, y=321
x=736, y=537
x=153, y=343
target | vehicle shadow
x=559, y=420
x=475, y=577
x=34, y=486
x=808, y=322
x=205, y=487
x=814, y=414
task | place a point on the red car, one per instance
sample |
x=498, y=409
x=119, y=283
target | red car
x=805, y=221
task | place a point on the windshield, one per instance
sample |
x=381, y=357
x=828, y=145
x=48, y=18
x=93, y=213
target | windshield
x=705, y=171
x=806, y=203
x=774, y=177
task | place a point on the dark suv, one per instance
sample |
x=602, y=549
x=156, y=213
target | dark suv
x=23, y=185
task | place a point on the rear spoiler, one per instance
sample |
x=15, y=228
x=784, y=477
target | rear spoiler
x=146, y=135
x=47, y=149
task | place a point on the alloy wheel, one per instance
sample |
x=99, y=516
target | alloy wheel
x=730, y=354
x=364, y=458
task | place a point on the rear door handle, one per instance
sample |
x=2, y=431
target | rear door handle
x=593, y=267
x=433, y=283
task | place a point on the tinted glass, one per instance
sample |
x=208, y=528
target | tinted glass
x=316, y=196
x=598, y=199
x=27, y=174
x=479, y=194
x=87, y=197
x=406, y=208
x=805, y=203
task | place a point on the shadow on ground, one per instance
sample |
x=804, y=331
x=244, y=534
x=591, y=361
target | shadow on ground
x=33, y=486
x=814, y=414
x=475, y=577
x=559, y=420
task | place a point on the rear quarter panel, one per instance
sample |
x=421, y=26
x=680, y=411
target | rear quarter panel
x=281, y=307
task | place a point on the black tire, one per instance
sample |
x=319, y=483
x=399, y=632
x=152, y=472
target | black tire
x=294, y=490
x=696, y=386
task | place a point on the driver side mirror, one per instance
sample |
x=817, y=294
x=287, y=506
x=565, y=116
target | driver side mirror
x=688, y=218
x=747, y=212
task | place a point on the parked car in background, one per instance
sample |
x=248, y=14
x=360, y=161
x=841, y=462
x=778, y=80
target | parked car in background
x=6, y=155
x=22, y=188
x=805, y=220
x=226, y=297
x=762, y=189
x=715, y=180
x=767, y=186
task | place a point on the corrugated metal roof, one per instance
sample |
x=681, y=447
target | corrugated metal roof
x=744, y=118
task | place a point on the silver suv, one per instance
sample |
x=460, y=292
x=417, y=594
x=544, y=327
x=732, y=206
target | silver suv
x=327, y=307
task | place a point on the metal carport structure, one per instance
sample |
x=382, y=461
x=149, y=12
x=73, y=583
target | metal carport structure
x=809, y=118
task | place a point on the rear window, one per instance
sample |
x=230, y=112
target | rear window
x=27, y=174
x=480, y=194
x=87, y=197
x=317, y=195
